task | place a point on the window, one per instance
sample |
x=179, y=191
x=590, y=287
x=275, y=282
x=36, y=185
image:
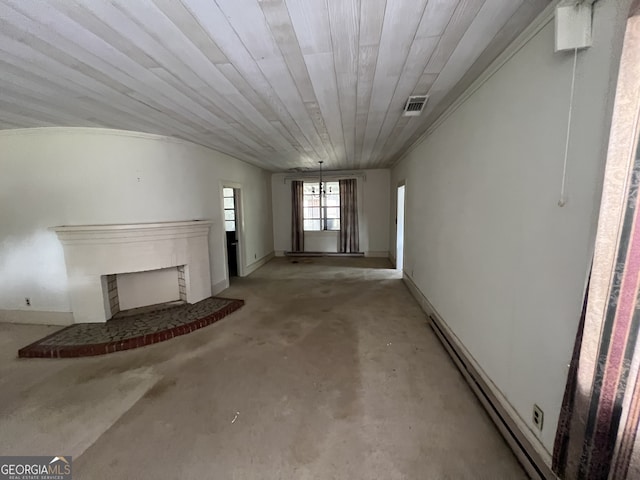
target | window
x=327, y=217
x=229, y=209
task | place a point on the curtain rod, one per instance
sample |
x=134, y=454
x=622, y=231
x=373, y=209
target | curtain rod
x=335, y=175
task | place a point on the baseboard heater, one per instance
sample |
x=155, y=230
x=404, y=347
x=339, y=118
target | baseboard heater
x=323, y=254
x=524, y=450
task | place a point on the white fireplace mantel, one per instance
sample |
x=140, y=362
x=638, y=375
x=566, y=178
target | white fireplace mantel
x=93, y=251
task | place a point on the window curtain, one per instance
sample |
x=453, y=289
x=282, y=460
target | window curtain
x=297, y=216
x=349, y=231
x=597, y=435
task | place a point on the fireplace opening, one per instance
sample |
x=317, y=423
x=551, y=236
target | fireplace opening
x=135, y=292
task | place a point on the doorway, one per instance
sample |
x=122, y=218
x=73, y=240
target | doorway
x=400, y=229
x=230, y=199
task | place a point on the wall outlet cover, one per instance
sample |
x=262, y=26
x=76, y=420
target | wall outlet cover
x=538, y=417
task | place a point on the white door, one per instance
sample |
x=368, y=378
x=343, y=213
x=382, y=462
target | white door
x=400, y=229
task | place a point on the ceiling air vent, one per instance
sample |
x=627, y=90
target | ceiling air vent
x=414, y=106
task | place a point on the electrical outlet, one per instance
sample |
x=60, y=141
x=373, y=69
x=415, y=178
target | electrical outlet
x=255, y=255
x=538, y=417
x=27, y=301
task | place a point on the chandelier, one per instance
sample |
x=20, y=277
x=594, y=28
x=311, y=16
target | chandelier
x=322, y=191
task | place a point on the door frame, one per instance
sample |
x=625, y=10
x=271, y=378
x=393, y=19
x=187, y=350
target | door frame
x=240, y=252
x=400, y=184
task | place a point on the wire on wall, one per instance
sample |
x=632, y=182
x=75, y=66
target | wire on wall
x=563, y=198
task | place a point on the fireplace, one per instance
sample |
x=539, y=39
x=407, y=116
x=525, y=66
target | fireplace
x=102, y=259
x=127, y=291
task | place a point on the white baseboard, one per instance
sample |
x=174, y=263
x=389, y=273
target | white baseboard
x=249, y=269
x=527, y=448
x=377, y=254
x=220, y=286
x=36, y=317
x=280, y=253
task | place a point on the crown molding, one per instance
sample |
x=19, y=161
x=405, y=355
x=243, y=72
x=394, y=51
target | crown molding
x=541, y=21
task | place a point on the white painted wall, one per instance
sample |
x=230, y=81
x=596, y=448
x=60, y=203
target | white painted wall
x=69, y=176
x=486, y=242
x=325, y=241
x=139, y=289
x=373, y=215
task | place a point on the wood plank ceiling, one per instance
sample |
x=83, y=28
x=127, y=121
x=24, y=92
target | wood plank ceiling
x=281, y=84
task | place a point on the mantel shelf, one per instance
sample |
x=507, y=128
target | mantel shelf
x=131, y=226
x=131, y=232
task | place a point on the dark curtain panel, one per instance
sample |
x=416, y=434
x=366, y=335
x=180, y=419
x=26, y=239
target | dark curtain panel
x=349, y=232
x=561, y=452
x=297, y=216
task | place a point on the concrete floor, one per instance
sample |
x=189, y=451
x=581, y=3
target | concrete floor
x=328, y=371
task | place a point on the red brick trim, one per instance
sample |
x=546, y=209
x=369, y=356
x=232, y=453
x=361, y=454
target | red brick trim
x=40, y=350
